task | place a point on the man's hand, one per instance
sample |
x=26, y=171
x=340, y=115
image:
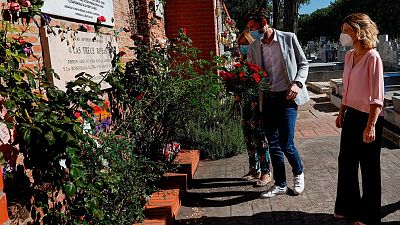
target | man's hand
x=293, y=91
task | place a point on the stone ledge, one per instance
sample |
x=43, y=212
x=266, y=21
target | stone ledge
x=319, y=87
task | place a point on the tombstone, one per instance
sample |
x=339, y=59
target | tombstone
x=396, y=103
x=336, y=86
x=382, y=38
x=88, y=10
x=322, y=40
x=71, y=52
x=311, y=46
x=389, y=52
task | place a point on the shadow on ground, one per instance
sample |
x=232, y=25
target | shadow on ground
x=219, y=199
x=219, y=182
x=270, y=218
x=273, y=218
x=389, y=209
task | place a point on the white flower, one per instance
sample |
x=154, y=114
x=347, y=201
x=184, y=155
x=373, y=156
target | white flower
x=62, y=163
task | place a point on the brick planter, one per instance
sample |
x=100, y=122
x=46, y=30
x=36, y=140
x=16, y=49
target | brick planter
x=164, y=205
x=3, y=201
x=174, y=181
x=188, y=161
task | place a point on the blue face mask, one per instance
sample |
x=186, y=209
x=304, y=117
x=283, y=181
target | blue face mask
x=244, y=49
x=256, y=35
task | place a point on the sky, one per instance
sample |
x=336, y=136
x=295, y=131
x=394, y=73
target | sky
x=314, y=5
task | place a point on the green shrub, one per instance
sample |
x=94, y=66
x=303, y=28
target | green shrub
x=216, y=132
x=119, y=181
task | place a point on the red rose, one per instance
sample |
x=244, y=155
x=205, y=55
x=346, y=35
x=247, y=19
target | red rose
x=242, y=74
x=225, y=75
x=256, y=78
x=238, y=65
x=139, y=97
x=101, y=19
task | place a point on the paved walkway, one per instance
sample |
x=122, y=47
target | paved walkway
x=218, y=197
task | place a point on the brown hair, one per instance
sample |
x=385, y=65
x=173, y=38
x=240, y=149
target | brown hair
x=365, y=28
x=258, y=14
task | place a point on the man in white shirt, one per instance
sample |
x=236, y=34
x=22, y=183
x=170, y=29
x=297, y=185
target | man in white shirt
x=280, y=55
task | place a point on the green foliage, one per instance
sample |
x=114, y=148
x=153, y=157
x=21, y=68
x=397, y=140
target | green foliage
x=106, y=179
x=120, y=181
x=216, y=132
x=327, y=21
x=160, y=92
x=43, y=117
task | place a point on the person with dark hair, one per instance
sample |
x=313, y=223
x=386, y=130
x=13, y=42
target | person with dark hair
x=361, y=119
x=280, y=54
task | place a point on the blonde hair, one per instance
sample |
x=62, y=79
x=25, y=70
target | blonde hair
x=245, y=34
x=365, y=28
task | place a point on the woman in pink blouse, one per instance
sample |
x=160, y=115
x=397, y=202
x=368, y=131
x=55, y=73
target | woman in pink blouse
x=361, y=119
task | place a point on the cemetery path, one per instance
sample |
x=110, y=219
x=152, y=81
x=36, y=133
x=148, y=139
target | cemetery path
x=218, y=196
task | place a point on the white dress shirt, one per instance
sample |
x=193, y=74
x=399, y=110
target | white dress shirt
x=273, y=64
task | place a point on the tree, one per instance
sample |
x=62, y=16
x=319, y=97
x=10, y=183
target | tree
x=239, y=9
x=327, y=21
x=277, y=15
x=291, y=14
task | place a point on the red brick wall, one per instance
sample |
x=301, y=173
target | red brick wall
x=3, y=201
x=198, y=18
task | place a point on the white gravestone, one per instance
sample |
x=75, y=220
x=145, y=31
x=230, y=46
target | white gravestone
x=69, y=53
x=85, y=10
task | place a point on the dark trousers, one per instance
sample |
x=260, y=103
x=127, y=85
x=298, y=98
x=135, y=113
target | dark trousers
x=279, y=117
x=354, y=153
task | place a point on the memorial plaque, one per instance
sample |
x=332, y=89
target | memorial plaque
x=69, y=53
x=85, y=10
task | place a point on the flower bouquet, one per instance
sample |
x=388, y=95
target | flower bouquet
x=244, y=78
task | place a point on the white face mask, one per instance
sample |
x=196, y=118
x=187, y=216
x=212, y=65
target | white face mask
x=345, y=39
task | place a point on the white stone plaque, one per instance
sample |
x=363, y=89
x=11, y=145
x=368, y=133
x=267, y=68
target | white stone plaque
x=69, y=53
x=85, y=10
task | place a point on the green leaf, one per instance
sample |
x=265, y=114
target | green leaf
x=37, y=128
x=70, y=189
x=27, y=135
x=56, y=76
x=18, y=77
x=50, y=138
x=9, y=104
x=75, y=173
x=71, y=152
x=2, y=69
x=78, y=130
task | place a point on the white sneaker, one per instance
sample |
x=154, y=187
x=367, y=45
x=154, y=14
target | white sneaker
x=298, y=184
x=273, y=191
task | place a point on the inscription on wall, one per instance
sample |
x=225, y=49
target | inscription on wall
x=69, y=53
x=86, y=10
